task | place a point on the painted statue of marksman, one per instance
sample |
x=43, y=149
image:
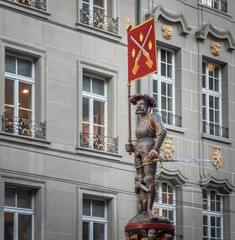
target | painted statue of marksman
x=150, y=134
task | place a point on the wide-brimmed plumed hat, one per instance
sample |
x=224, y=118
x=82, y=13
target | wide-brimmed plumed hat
x=150, y=100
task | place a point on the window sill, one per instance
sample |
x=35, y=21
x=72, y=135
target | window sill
x=98, y=32
x=25, y=9
x=174, y=128
x=215, y=138
x=8, y=137
x=98, y=154
x=214, y=10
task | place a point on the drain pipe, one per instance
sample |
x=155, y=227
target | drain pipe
x=139, y=22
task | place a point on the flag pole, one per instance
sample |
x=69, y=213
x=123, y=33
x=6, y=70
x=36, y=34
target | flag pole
x=128, y=27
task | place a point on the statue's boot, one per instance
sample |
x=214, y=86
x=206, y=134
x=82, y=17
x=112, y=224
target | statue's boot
x=151, y=197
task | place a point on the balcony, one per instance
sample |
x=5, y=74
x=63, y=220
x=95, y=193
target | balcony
x=220, y=5
x=98, y=142
x=37, y=4
x=215, y=129
x=171, y=119
x=24, y=127
x=100, y=21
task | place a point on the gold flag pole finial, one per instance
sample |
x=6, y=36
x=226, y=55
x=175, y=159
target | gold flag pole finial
x=128, y=23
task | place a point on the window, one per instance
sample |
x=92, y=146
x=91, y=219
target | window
x=211, y=99
x=94, y=219
x=18, y=213
x=212, y=215
x=216, y=4
x=19, y=115
x=164, y=204
x=94, y=13
x=19, y=94
x=38, y=4
x=164, y=87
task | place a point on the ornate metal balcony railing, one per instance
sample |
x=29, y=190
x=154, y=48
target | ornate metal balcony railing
x=171, y=119
x=215, y=129
x=98, y=142
x=38, y=4
x=216, y=4
x=99, y=21
x=25, y=127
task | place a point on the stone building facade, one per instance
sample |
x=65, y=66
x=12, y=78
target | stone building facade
x=64, y=172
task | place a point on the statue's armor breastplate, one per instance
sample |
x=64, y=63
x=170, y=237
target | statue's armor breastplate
x=146, y=135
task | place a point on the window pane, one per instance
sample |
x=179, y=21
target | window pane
x=169, y=57
x=217, y=116
x=218, y=222
x=24, y=198
x=155, y=86
x=86, y=84
x=211, y=115
x=98, y=86
x=216, y=85
x=204, y=68
x=25, y=227
x=98, y=131
x=25, y=115
x=85, y=110
x=98, y=233
x=163, y=69
x=170, y=105
x=163, y=87
x=156, y=211
x=164, y=198
x=216, y=103
x=8, y=226
x=85, y=128
x=9, y=120
x=163, y=55
x=216, y=72
x=212, y=232
x=98, y=208
x=171, y=215
x=205, y=231
x=86, y=207
x=169, y=71
x=24, y=67
x=169, y=90
x=170, y=199
x=9, y=92
x=164, y=187
x=211, y=87
x=205, y=220
x=99, y=3
x=211, y=102
x=85, y=231
x=25, y=95
x=98, y=117
x=204, y=81
x=10, y=64
x=164, y=213
x=218, y=233
x=10, y=197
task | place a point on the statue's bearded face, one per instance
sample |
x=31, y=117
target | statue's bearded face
x=152, y=234
x=142, y=107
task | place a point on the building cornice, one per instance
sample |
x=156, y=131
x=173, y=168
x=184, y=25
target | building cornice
x=222, y=185
x=170, y=16
x=219, y=34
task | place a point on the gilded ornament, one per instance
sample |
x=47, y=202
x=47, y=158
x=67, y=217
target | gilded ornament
x=141, y=37
x=133, y=53
x=167, y=31
x=215, y=48
x=169, y=148
x=217, y=155
x=150, y=45
x=211, y=67
x=27, y=2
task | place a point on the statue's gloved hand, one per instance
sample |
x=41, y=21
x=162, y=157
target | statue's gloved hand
x=153, y=154
x=130, y=147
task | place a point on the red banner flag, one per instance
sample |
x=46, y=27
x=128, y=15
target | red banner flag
x=142, y=55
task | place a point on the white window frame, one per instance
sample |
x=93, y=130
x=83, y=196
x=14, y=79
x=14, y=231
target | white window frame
x=91, y=220
x=17, y=79
x=211, y=3
x=159, y=78
x=208, y=92
x=212, y=213
x=162, y=206
x=91, y=96
x=23, y=211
